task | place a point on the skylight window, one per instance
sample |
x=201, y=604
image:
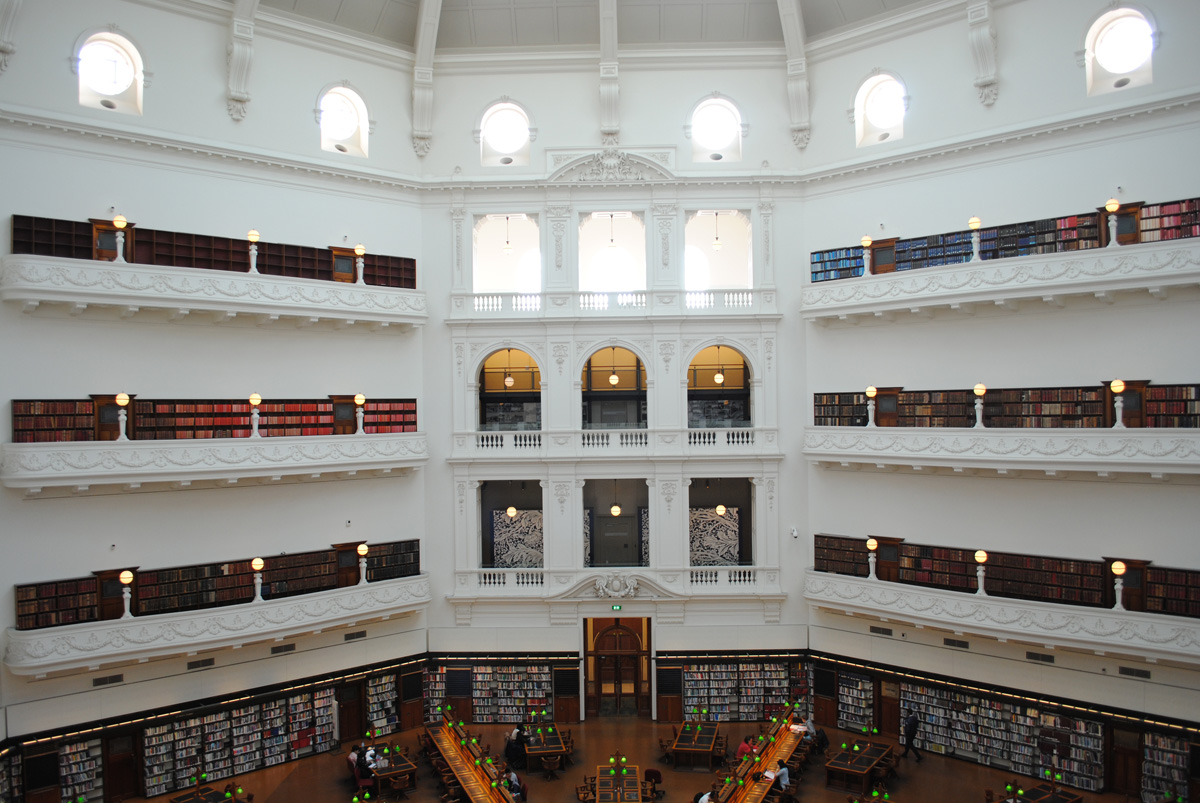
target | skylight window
x=345, y=124
x=110, y=72
x=879, y=109
x=1118, y=51
x=716, y=130
x=505, y=135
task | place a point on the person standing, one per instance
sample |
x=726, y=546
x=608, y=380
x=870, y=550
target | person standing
x=912, y=724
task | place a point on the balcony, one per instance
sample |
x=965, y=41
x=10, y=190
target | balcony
x=90, y=645
x=152, y=292
x=641, y=591
x=475, y=307
x=590, y=443
x=1151, y=635
x=115, y=466
x=1099, y=275
x=1030, y=453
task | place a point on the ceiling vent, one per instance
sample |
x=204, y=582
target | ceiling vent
x=961, y=644
x=1039, y=656
x=282, y=648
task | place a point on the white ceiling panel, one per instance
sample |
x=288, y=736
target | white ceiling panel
x=493, y=27
x=762, y=23
x=454, y=29
x=638, y=24
x=360, y=15
x=399, y=23
x=683, y=23
x=536, y=26
x=579, y=24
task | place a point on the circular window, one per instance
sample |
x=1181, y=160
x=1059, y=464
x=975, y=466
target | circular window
x=105, y=68
x=884, y=105
x=339, y=117
x=1124, y=44
x=715, y=126
x=506, y=129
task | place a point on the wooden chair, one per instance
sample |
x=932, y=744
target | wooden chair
x=584, y=793
x=550, y=767
x=988, y=796
x=396, y=789
x=569, y=756
x=665, y=746
x=652, y=778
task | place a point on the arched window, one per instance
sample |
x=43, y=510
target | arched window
x=718, y=389
x=504, y=135
x=111, y=74
x=345, y=123
x=716, y=130
x=879, y=109
x=1118, y=51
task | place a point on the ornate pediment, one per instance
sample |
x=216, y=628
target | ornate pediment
x=616, y=585
x=610, y=166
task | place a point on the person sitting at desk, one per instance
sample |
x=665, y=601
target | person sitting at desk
x=746, y=748
x=781, y=777
x=511, y=782
x=810, y=728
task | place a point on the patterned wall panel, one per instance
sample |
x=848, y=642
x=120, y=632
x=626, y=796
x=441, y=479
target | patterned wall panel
x=644, y=522
x=517, y=541
x=714, y=539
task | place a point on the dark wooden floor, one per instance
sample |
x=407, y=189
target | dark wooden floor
x=323, y=778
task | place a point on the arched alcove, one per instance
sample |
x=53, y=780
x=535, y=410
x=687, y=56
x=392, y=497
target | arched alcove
x=510, y=393
x=718, y=389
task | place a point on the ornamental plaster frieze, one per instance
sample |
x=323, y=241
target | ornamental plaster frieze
x=93, y=644
x=1105, y=453
x=1099, y=273
x=130, y=464
x=1145, y=634
x=133, y=288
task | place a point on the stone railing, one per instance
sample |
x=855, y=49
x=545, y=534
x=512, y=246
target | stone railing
x=1151, y=635
x=738, y=442
x=1073, y=453
x=154, y=293
x=133, y=465
x=1099, y=274
x=93, y=644
x=640, y=304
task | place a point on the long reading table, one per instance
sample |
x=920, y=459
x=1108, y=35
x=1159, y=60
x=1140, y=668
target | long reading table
x=618, y=783
x=746, y=783
x=851, y=768
x=478, y=776
x=696, y=741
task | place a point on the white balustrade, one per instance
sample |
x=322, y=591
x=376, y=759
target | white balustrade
x=489, y=303
x=659, y=442
x=524, y=306
x=699, y=300
x=593, y=301
x=531, y=302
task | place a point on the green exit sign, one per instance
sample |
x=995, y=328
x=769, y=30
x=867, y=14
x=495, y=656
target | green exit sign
x=616, y=607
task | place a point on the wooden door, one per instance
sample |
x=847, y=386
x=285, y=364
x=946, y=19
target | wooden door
x=887, y=407
x=887, y=708
x=1125, y=762
x=411, y=714
x=887, y=559
x=825, y=711
x=120, y=764
x=344, y=269
x=351, y=723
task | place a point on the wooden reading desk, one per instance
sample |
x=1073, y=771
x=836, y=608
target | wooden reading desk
x=618, y=783
x=479, y=777
x=696, y=741
x=400, y=768
x=1046, y=793
x=543, y=740
x=745, y=783
x=850, y=769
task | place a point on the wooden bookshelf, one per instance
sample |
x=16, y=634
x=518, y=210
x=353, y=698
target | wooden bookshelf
x=189, y=735
x=382, y=704
x=939, y=408
x=710, y=692
x=62, y=602
x=390, y=415
x=434, y=693
x=937, y=567
x=510, y=692
x=396, y=559
x=840, y=409
x=838, y=263
x=1165, y=765
x=190, y=587
x=324, y=703
x=53, y=421
x=274, y=737
x=80, y=771
x=840, y=555
x=1173, y=591
x=1078, y=582
x=158, y=759
x=1172, y=406
x=246, y=738
x=1172, y=220
x=217, y=751
x=856, y=701
x=93, y=240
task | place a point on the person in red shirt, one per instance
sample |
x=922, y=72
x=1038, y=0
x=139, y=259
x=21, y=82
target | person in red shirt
x=746, y=748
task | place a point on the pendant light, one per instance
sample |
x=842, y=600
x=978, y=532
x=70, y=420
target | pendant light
x=508, y=377
x=613, y=379
x=719, y=376
x=507, y=241
x=721, y=510
x=716, y=232
x=615, y=509
x=511, y=512
x=612, y=243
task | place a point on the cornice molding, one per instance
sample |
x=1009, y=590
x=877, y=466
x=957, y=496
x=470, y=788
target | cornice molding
x=23, y=120
x=1045, y=277
x=1102, y=630
x=1105, y=453
x=33, y=280
x=130, y=464
x=90, y=645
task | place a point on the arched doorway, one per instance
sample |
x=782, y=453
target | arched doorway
x=618, y=667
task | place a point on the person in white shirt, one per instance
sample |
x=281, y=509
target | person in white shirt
x=781, y=777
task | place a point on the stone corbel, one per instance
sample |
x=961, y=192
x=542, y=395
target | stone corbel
x=797, y=88
x=982, y=36
x=8, y=16
x=241, y=49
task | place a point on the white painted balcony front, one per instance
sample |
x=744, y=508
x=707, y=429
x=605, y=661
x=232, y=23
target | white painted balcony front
x=137, y=465
x=91, y=645
x=692, y=581
x=1100, y=275
x=1030, y=453
x=150, y=292
x=533, y=306
x=1151, y=635
x=589, y=443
